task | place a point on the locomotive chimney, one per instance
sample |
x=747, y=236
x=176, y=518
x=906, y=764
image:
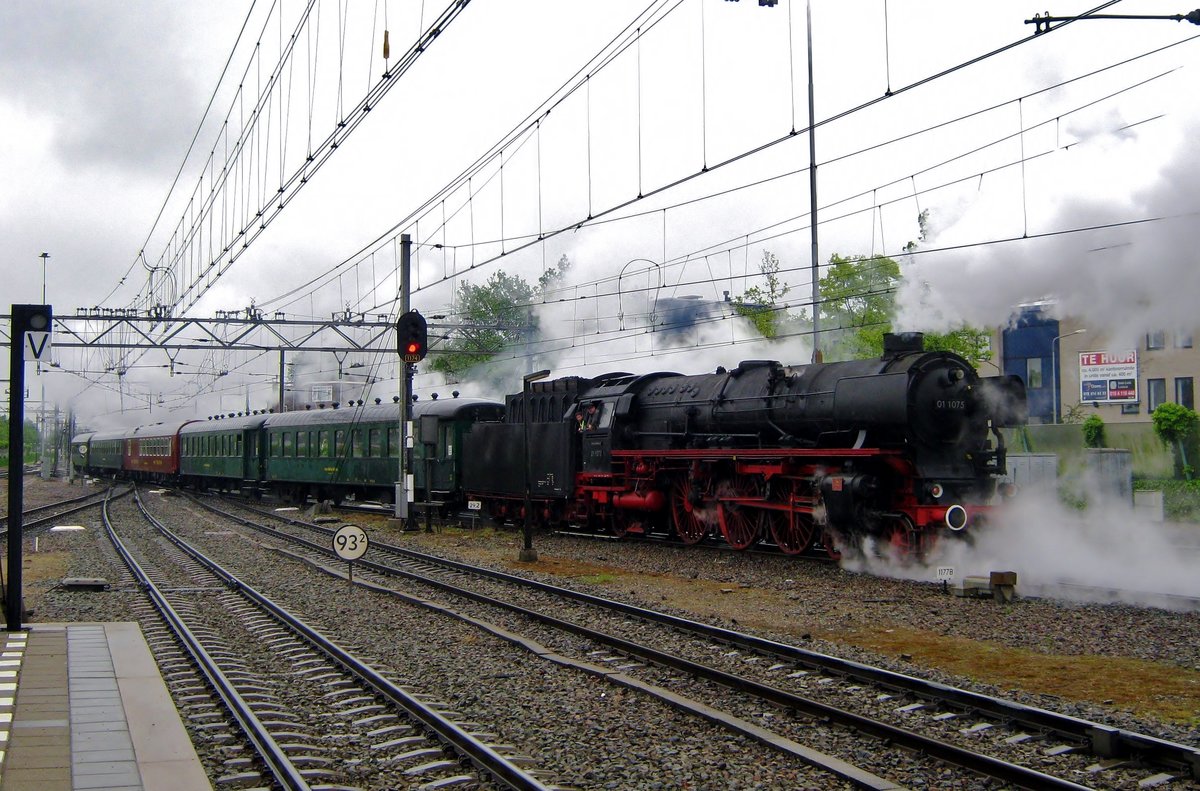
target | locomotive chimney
x=895, y=343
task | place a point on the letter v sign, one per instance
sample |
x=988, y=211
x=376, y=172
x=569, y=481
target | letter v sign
x=36, y=345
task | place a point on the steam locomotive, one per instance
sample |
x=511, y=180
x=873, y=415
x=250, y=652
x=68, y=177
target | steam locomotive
x=896, y=450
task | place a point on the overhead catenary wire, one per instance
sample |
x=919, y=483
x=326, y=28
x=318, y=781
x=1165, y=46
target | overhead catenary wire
x=876, y=204
x=603, y=214
x=478, y=244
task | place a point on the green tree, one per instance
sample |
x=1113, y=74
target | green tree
x=1177, y=426
x=970, y=342
x=858, y=306
x=31, y=441
x=858, y=303
x=494, y=316
x=761, y=305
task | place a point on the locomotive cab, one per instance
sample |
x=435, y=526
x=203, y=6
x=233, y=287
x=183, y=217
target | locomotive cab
x=593, y=420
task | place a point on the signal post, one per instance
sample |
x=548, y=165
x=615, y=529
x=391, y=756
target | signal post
x=30, y=337
x=412, y=343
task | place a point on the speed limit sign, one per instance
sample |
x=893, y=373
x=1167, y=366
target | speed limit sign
x=350, y=542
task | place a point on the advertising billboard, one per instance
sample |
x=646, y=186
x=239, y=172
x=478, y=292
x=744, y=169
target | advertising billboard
x=1108, y=377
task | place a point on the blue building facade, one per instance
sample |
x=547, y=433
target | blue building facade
x=1028, y=348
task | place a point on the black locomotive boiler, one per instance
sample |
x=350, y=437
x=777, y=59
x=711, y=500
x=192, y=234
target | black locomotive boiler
x=897, y=450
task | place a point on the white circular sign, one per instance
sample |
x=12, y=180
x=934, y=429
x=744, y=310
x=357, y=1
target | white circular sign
x=350, y=542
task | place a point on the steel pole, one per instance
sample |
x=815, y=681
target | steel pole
x=16, y=470
x=405, y=385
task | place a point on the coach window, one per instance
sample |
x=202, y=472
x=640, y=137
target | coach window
x=360, y=447
x=1156, y=393
x=339, y=443
x=238, y=444
x=302, y=444
x=447, y=442
x=274, y=445
x=376, y=438
x=393, y=442
x=289, y=442
x=323, y=443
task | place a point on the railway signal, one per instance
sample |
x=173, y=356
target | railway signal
x=29, y=324
x=412, y=337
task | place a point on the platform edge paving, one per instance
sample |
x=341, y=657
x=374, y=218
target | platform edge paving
x=91, y=711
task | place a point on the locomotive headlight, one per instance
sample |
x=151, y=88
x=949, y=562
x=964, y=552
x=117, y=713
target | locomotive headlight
x=936, y=491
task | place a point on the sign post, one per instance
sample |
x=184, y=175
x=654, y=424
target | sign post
x=29, y=335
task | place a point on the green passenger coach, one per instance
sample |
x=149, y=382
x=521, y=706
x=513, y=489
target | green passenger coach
x=332, y=454
x=222, y=453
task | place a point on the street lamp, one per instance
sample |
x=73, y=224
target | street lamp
x=528, y=554
x=1054, y=369
x=44, y=256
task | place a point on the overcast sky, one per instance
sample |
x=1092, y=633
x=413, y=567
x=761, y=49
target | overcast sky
x=100, y=100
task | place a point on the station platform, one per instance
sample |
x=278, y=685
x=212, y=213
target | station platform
x=83, y=706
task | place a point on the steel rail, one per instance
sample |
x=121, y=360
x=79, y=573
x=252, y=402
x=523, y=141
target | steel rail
x=977, y=762
x=479, y=753
x=1105, y=741
x=40, y=522
x=283, y=770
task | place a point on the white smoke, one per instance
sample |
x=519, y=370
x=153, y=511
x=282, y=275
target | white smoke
x=1105, y=552
x=1105, y=229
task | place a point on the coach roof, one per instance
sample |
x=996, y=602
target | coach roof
x=376, y=413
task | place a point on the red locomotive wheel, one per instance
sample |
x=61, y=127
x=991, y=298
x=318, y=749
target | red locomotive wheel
x=832, y=544
x=693, y=521
x=741, y=525
x=793, y=532
x=902, y=539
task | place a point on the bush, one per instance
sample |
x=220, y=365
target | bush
x=1093, y=433
x=1181, y=499
x=1177, y=426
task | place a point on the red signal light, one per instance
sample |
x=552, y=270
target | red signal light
x=412, y=336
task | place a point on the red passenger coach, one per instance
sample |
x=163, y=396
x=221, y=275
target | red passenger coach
x=152, y=452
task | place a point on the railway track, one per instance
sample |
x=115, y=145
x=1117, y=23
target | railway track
x=816, y=552
x=51, y=512
x=282, y=704
x=821, y=685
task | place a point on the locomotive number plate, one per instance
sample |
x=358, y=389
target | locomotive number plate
x=945, y=573
x=474, y=505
